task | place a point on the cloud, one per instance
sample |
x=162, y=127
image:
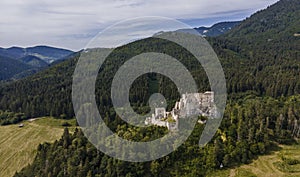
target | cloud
x=72, y=23
x=134, y=29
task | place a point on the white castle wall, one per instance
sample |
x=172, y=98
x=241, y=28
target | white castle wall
x=189, y=104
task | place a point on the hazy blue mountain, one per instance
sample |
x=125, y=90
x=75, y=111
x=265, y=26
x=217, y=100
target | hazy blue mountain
x=10, y=67
x=45, y=53
x=17, y=62
x=11, y=53
x=48, y=54
x=34, y=61
x=16, y=52
x=217, y=29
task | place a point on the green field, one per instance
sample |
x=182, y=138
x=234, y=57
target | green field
x=18, y=145
x=270, y=165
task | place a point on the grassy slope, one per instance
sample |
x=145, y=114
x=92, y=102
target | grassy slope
x=18, y=145
x=265, y=166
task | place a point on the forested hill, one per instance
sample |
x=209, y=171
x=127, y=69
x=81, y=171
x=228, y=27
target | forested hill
x=45, y=93
x=267, y=50
x=269, y=34
x=277, y=21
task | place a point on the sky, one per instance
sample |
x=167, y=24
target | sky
x=71, y=24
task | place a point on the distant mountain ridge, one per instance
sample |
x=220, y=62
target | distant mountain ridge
x=10, y=68
x=18, y=62
x=45, y=53
x=217, y=29
x=213, y=31
x=34, y=61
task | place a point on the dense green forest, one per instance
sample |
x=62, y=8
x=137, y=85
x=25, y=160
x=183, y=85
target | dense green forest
x=261, y=62
x=251, y=126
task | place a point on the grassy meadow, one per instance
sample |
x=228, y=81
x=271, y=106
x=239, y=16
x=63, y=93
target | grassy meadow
x=271, y=165
x=18, y=145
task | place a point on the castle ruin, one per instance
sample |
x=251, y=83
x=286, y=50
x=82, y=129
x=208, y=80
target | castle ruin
x=190, y=104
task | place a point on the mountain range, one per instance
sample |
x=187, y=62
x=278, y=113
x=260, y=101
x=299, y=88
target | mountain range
x=217, y=29
x=17, y=62
x=44, y=53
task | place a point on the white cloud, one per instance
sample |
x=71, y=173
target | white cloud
x=71, y=23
